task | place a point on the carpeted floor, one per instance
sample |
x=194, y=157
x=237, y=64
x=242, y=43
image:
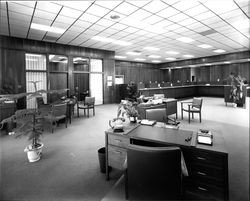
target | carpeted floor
x=69, y=168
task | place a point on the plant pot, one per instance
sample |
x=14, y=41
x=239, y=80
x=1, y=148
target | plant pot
x=132, y=119
x=34, y=154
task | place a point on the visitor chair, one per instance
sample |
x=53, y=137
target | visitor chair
x=88, y=104
x=157, y=175
x=192, y=107
x=58, y=112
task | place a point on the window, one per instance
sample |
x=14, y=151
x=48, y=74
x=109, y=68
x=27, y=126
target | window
x=36, y=78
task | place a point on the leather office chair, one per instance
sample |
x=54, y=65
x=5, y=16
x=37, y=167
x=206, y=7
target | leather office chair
x=153, y=173
x=58, y=112
x=193, y=107
x=88, y=104
x=160, y=115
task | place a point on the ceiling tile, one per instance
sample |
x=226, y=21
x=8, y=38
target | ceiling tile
x=140, y=14
x=18, y=16
x=89, y=18
x=138, y=3
x=78, y=5
x=60, y=25
x=125, y=8
x=20, y=8
x=155, y=6
x=152, y=19
x=82, y=24
x=105, y=22
x=3, y=5
x=185, y=5
x=119, y=26
x=97, y=10
x=44, y=14
x=98, y=28
x=170, y=11
x=69, y=12
x=64, y=19
x=196, y=10
x=48, y=6
x=108, y=4
x=179, y=17
x=26, y=3
x=42, y=21
x=220, y=6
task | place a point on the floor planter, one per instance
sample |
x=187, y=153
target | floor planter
x=34, y=154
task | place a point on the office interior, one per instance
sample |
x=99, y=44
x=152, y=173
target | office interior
x=181, y=49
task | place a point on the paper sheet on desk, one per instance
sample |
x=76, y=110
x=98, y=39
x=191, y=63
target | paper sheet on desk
x=204, y=140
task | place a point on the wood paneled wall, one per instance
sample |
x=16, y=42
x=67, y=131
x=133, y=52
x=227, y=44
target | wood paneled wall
x=208, y=74
x=138, y=72
x=13, y=61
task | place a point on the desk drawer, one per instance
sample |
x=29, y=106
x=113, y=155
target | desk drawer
x=208, y=192
x=118, y=140
x=207, y=158
x=116, y=157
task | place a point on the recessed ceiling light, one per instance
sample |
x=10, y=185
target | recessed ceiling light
x=139, y=59
x=114, y=17
x=191, y=65
x=120, y=57
x=172, y=52
x=188, y=55
x=120, y=42
x=102, y=39
x=133, y=53
x=171, y=58
x=205, y=46
x=156, y=61
x=207, y=64
x=185, y=39
x=219, y=51
x=47, y=28
x=154, y=56
x=226, y=62
x=151, y=48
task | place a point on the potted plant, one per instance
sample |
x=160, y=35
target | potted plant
x=129, y=109
x=236, y=90
x=29, y=122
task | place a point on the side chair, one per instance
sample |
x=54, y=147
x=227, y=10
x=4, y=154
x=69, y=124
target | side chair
x=58, y=112
x=88, y=104
x=192, y=107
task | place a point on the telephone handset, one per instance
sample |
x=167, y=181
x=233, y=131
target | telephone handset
x=117, y=124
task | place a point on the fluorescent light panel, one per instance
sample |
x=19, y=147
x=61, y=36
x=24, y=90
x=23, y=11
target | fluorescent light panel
x=120, y=57
x=219, y=51
x=34, y=55
x=154, y=56
x=110, y=40
x=156, y=61
x=170, y=58
x=188, y=55
x=151, y=48
x=139, y=59
x=185, y=39
x=47, y=28
x=133, y=53
x=205, y=46
x=172, y=52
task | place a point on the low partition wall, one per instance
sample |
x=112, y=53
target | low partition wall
x=185, y=91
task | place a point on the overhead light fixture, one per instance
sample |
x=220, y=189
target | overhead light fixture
x=185, y=39
x=114, y=17
x=156, y=61
x=205, y=46
x=170, y=58
x=120, y=57
x=139, y=59
x=191, y=66
x=33, y=55
x=172, y=52
x=154, y=56
x=226, y=62
x=151, y=48
x=219, y=51
x=120, y=42
x=102, y=39
x=133, y=53
x=207, y=64
x=188, y=55
x=47, y=28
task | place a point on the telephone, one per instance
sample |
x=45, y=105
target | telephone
x=117, y=124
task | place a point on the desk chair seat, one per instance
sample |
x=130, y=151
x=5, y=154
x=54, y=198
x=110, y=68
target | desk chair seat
x=153, y=173
x=88, y=104
x=192, y=107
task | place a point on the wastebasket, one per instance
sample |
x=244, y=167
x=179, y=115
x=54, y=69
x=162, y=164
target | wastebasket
x=102, y=159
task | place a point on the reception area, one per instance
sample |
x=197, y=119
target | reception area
x=124, y=100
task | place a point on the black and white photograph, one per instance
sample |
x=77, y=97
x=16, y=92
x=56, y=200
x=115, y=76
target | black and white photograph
x=124, y=100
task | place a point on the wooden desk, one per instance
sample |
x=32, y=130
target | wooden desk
x=169, y=103
x=207, y=165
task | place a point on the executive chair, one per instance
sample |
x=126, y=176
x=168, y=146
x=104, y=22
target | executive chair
x=88, y=104
x=58, y=112
x=160, y=115
x=192, y=107
x=153, y=173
